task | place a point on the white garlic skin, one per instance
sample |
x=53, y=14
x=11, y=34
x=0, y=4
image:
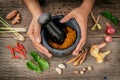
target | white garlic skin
x=84, y=69
x=62, y=66
x=82, y=72
x=90, y=68
x=59, y=71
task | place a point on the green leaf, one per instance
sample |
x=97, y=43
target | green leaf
x=32, y=66
x=35, y=56
x=115, y=20
x=108, y=15
x=43, y=64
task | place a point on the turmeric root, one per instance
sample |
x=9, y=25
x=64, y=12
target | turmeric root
x=17, y=19
x=11, y=14
x=94, y=51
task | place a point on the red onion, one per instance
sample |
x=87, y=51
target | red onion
x=108, y=38
x=110, y=30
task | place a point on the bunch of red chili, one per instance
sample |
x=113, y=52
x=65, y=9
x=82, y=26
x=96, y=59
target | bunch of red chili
x=19, y=49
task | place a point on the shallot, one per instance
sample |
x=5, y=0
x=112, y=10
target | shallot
x=108, y=38
x=110, y=30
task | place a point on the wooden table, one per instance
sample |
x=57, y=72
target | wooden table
x=16, y=69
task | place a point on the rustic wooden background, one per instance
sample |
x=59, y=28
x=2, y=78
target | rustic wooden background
x=16, y=69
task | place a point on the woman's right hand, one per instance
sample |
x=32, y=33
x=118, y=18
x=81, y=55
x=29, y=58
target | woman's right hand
x=34, y=34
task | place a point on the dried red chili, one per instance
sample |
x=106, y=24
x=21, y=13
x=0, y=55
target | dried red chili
x=23, y=48
x=12, y=51
x=21, y=52
x=19, y=48
x=17, y=57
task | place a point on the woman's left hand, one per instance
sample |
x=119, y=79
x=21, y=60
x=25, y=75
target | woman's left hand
x=81, y=16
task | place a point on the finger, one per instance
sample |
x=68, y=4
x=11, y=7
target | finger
x=79, y=47
x=66, y=18
x=37, y=33
x=48, y=54
x=30, y=34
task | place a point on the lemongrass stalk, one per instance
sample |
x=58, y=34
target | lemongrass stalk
x=15, y=29
x=18, y=35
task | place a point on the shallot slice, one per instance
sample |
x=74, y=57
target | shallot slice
x=108, y=38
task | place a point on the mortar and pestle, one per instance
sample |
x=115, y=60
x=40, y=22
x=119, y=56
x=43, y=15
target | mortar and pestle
x=53, y=29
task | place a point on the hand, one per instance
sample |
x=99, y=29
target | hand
x=34, y=34
x=81, y=16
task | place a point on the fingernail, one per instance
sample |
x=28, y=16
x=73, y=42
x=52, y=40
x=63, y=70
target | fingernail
x=46, y=51
x=37, y=40
x=49, y=55
x=75, y=53
x=61, y=21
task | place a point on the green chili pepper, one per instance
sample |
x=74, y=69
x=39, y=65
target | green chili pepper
x=109, y=16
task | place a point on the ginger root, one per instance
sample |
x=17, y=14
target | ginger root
x=95, y=52
x=17, y=19
x=11, y=14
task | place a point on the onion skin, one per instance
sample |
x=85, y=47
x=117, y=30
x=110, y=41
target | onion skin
x=108, y=38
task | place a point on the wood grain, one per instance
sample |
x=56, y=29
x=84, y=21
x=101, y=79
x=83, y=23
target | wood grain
x=16, y=69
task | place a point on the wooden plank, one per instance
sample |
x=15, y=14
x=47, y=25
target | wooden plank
x=58, y=7
x=16, y=69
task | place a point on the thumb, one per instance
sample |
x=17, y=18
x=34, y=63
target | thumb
x=37, y=33
x=66, y=18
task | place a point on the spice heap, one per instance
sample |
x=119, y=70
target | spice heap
x=19, y=49
x=69, y=40
x=79, y=59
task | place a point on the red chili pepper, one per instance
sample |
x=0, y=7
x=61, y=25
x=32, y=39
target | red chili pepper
x=12, y=51
x=21, y=52
x=23, y=48
x=17, y=44
x=17, y=57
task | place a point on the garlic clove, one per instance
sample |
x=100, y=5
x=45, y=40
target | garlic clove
x=62, y=66
x=84, y=69
x=82, y=72
x=59, y=71
x=90, y=68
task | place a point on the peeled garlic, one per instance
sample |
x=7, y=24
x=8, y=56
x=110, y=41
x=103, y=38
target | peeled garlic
x=62, y=66
x=59, y=71
x=89, y=68
x=82, y=72
x=84, y=69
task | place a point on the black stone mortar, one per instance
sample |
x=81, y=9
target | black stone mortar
x=71, y=23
